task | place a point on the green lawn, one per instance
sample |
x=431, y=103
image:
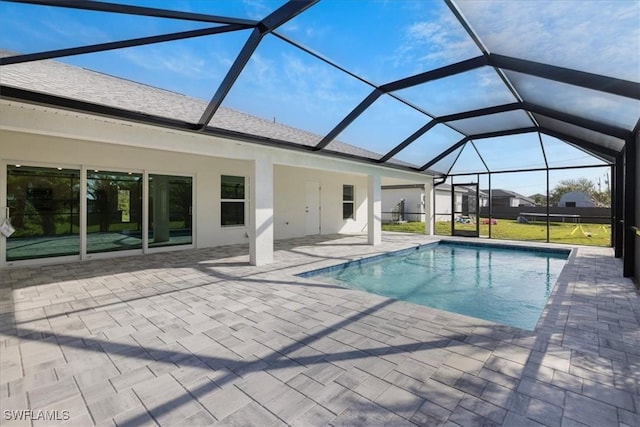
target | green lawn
x=587, y=234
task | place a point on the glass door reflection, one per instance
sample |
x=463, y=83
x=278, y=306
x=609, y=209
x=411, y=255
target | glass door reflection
x=170, y=210
x=114, y=211
x=44, y=209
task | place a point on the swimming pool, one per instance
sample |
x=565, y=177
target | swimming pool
x=496, y=283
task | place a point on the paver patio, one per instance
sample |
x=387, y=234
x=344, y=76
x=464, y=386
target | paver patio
x=200, y=337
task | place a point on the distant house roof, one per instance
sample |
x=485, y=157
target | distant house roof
x=498, y=192
x=447, y=188
x=59, y=79
x=460, y=189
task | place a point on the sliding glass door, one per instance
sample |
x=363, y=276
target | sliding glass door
x=44, y=209
x=114, y=211
x=170, y=210
x=44, y=206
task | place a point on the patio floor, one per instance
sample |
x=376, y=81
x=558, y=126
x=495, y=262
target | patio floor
x=199, y=337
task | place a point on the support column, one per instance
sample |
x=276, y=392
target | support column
x=628, y=255
x=374, y=204
x=429, y=209
x=617, y=229
x=261, y=213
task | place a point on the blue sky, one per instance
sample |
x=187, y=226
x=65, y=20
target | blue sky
x=380, y=41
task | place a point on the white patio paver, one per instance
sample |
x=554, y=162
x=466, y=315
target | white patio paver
x=200, y=337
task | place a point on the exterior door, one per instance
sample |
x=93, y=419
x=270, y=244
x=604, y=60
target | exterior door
x=465, y=221
x=312, y=208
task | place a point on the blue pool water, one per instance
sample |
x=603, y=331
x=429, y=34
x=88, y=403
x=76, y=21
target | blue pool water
x=503, y=285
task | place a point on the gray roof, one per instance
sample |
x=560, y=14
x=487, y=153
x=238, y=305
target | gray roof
x=498, y=192
x=59, y=79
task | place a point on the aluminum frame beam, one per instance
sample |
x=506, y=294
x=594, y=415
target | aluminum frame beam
x=438, y=73
x=597, y=150
x=526, y=106
x=630, y=195
x=445, y=153
x=417, y=134
x=101, y=47
x=579, y=121
x=22, y=95
x=278, y=17
x=38, y=98
x=360, y=108
x=472, y=137
x=139, y=10
x=618, y=206
x=612, y=85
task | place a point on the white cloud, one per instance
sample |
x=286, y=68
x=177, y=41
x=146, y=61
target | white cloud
x=433, y=40
x=596, y=36
x=257, y=9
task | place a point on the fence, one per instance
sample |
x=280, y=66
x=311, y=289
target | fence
x=587, y=215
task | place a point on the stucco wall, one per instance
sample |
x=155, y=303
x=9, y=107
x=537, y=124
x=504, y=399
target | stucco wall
x=42, y=136
x=39, y=150
x=443, y=204
x=290, y=201
x=413, y=207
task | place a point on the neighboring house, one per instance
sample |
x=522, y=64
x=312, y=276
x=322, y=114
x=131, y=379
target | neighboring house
x=83, y=184
x=413, y=198
x=416, y=199
x=576, y=199
x=509, y=199
x=483, y=198
x=403, y=203
x=443, y=202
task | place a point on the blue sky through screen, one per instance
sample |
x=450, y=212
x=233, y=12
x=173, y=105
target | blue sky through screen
x=381, y=41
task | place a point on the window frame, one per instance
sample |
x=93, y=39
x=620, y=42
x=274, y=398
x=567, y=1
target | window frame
x=351, y=202
x=244, y=200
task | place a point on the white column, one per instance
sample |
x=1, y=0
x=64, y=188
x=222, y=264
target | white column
x=429, y=209
x=261, y=213
x=374, y=204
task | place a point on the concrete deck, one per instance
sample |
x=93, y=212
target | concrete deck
x=199, y=337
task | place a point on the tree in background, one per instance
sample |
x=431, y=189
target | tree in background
x=539, y=199
x=601, y=198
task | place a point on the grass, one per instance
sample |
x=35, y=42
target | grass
x=587, y=234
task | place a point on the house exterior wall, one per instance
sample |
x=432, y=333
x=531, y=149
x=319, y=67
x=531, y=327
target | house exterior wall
x=414, y=203
x=290, y=201
x=443, y=204
x=579, y=198
x=40, y=150
x=41, y=136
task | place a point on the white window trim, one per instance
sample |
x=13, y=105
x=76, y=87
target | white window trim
x=245, y=200
x=352, y=202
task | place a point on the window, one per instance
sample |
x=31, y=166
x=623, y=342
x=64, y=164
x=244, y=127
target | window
x=232, y=200
x=348, y=202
